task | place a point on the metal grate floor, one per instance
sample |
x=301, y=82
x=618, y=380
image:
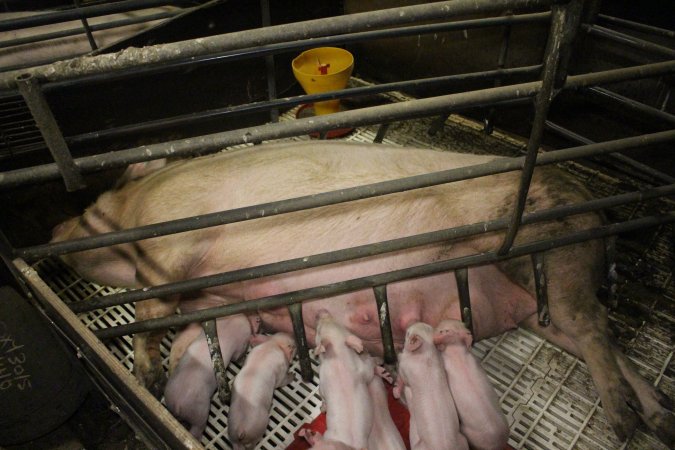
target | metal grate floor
x=547, y=394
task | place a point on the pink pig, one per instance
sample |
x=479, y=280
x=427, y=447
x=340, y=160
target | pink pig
x=266, y=369
x=316, y=440
x=482, y=421
x=434, y=424
x=192, y=381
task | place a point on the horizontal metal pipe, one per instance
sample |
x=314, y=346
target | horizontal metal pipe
x=78, y=31
x=334, y=289
x=629, y=40
x=269, y=35
x=363, y=251
x=78, y=13
x=636, y=26
x=290, y=102
x=628, y=103
x=647, y=170
x=365, y=116
x=333, y=197
x=300, y=45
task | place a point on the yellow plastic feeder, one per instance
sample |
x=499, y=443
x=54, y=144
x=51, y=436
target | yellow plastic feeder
x=323, y=69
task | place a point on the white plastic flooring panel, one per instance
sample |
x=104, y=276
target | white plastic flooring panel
x=546, y=394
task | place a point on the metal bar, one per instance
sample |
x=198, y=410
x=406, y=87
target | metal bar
x=39, y=108
x=462, y=278
x=219, y=367
x=610, y=270
x=645, y=169
x=381, y=133
x=295, y=309
x=488, y=123
x=565, y=18
x=278, y=33
x=77, y=31
x=87, y=28
x=272, y=49
x=364, y=116
x=628, y=103
x=78, y=13
x=289, y=102
x=636, y=26
x=296, y=297
x=541, y=290
x=380, y=293
x=628, y=40
x=333, y=197
x=155, y=422
x=269, y=62
x=321, y=259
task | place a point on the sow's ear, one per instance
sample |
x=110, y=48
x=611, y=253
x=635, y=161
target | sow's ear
x=139, y=170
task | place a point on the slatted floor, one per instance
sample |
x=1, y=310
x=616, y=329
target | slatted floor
x=547, y=395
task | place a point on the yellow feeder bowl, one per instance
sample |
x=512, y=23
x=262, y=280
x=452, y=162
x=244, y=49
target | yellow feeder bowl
x=323, y=69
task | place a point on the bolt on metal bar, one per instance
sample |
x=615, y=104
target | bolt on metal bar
x=574, y=137
x=330, y=290
x=41, y=112
x=295, y=310
x=541, y=290
x=270, y=35
x=462, y=278
x=384, y=320
x=625, y=102
x=628, y=40
x=333, y=197
x=78, y=13
x=364, y=116
x=563, y=25
x=317, y=260
x=636, y=26
x=289, y=102
x=219, y=367
x=77, y=31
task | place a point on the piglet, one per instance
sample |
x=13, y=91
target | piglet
x=317, y=441
x=192, y=381
x=265, y=369
x=384, y=435
x=345, y=372
x=482, y=421
x=434, y=424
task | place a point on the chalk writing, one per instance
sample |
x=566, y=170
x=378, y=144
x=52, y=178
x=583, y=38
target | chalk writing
x=13, y=373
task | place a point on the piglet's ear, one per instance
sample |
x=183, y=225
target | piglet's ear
x=258, y=339
x=414, y=342
x=354, y=343
x=289, y=350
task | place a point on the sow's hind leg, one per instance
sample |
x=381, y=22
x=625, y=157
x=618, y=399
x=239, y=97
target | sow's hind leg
x=579, y=324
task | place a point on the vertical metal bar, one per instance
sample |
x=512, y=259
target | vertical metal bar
x=301, y=341
x=462, y=277
x=269, y=62
x=488, y=125
x=385, y=324
x=541, y=289
x=438, y=124
x=219, y=367
x=87, y=28
x=381, y=132
x=39, y=108
x=563, y=26
x=612, y=275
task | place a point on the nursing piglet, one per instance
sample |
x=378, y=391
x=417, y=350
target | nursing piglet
x=265, y=369
x=345, y=372
x=482, y=421
x=434, y=424
x=192, y=381
x=317, y=441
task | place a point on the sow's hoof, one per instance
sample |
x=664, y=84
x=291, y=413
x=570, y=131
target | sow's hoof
x=622, y=411
x=153, y=380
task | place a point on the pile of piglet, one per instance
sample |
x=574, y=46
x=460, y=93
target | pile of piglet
x=451, y=402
